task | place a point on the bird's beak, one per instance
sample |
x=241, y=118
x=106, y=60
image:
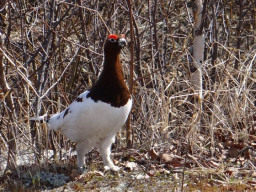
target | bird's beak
x=122, y=42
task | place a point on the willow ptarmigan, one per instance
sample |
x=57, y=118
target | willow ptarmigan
x=96, y=115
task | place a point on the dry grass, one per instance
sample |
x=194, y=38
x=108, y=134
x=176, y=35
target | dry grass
x=52, y=52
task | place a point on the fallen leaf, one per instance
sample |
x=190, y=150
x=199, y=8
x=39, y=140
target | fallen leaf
x=214, y=164
x=254, y=174
x=151, y=173
x=231, y=171
x=153, y=154
x=253, y=183
x=98, y=173
x=167, y=157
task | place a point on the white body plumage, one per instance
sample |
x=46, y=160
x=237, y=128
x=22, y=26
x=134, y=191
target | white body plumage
x=89, y=120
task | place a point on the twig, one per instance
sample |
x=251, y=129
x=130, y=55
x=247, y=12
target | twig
x=183, y=170
x=62, y=74
x=128, y=125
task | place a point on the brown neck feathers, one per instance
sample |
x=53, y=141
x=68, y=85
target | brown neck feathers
x=111, y=87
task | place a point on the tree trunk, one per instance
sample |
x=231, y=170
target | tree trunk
x=128, y=124
x=198, y=49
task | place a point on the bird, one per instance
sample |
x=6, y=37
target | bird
x=93, y=119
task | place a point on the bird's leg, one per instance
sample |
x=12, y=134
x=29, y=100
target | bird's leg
x=81, y=149
x=105, y=151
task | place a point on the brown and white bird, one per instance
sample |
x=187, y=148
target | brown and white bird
x=96, y=115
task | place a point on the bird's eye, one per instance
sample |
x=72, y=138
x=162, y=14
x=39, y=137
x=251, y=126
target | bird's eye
x=112, y=40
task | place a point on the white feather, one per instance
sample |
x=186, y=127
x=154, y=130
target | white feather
x=90, y=120
x=91, y=124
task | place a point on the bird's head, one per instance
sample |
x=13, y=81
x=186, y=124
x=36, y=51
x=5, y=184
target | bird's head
x=115, y=43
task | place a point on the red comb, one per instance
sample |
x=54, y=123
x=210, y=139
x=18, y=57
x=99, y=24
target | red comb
x=112, y=36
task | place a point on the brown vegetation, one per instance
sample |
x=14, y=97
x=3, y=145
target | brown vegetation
x=51, y=51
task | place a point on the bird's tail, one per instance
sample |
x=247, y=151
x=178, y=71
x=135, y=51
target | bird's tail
x=39, y=118
x=54, y=122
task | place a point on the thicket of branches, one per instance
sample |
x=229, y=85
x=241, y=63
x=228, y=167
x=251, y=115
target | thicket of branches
x=51, y=51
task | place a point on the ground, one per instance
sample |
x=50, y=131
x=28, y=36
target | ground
x=140, y=171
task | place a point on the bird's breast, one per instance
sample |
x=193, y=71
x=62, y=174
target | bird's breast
x=93, y=120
